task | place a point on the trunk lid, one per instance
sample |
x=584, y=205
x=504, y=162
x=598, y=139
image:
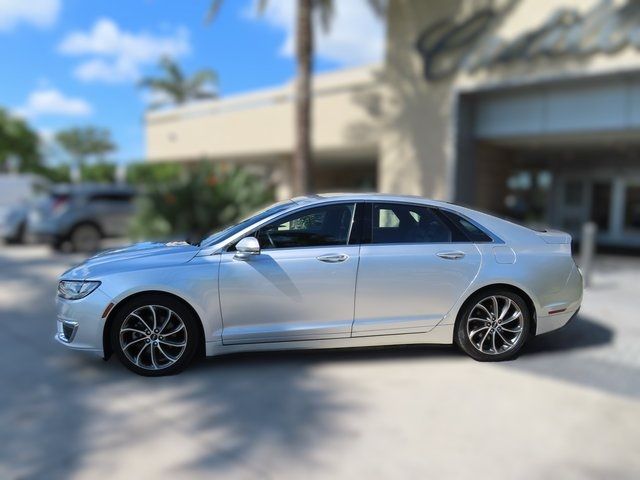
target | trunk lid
x=555, y=237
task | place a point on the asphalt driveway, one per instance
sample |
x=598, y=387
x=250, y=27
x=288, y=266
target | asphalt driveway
x=568, y=408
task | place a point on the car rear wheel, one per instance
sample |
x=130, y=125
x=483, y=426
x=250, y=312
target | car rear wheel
x=493, y=325
x=85, y=238
x=155, y=335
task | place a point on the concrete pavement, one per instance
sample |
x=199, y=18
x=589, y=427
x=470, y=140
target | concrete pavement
x=568, y=408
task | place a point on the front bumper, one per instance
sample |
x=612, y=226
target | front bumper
x=79, y=322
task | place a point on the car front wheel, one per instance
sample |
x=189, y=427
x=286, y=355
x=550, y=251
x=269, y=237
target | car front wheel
x=493, y=325
x=85, y=238
x=155, y=335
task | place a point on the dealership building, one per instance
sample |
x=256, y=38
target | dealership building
x=527, y=108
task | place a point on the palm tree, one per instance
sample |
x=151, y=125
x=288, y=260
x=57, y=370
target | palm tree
x=302, y=158
x=175, y=88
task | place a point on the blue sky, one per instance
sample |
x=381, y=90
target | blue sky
x=76, y=62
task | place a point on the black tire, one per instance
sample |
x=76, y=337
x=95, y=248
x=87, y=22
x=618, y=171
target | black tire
x=19, y=237
x=487, y=353
x=85, y=238
x=192, y=337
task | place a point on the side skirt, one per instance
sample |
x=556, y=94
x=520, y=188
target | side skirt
x=440, y=335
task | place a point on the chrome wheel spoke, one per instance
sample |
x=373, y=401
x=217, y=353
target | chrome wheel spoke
x=513, y=317
x=484, y=309
x=507, y=342
x=476, y=331
x=131, y=343
x=517, y=330
x=173, y=344
x=493, y=341
x=137, y=361
x=164, y=324
x=135, y=315
x=484, y=338
x=476, y=319
x=494, y=306
x=155, y=318
x=153, y=357
x=141, y=332
x=505, y=309
x=174, y=331
x=166, y=355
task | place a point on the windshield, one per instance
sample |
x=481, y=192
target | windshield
x=238, y=227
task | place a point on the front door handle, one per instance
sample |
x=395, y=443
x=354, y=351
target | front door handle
x=451, y=255
x=333, y=258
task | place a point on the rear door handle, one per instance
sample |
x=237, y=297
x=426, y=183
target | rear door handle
x=451, y=255
x=333, y=258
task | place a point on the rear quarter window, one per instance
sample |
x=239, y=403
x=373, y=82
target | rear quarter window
x=474, y=233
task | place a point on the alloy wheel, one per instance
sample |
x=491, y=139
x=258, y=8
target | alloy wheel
x=153, y=337
x=495, y=325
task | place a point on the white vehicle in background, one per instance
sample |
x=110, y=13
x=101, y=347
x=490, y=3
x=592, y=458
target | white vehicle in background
x=17, y=193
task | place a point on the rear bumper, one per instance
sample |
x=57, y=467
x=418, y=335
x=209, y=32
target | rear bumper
x=564, y=307
x=554, y=322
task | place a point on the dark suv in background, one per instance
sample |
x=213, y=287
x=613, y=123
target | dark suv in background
x=78, y=217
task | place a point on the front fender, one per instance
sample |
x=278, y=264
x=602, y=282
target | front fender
x=194, y=282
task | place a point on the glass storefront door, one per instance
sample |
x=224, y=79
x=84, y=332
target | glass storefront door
x=611, y=201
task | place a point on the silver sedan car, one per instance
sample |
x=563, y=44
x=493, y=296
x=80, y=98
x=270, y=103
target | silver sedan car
x=325, y=272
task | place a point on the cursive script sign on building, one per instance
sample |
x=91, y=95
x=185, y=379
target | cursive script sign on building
x=447, y=46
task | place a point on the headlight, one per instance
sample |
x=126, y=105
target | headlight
x=74, y=290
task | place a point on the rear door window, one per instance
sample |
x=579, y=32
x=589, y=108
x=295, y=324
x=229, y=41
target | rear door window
x=406, y=223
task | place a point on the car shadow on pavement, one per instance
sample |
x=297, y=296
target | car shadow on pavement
x=581, y=354
x=582, y=332
x=61, y=411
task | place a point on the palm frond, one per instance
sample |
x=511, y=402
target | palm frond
x=172, y=69
x=325, y=10
x=262, y=6
x=379, y=7
x=214, y=8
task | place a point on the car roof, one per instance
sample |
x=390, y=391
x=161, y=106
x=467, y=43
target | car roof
x=382, y=197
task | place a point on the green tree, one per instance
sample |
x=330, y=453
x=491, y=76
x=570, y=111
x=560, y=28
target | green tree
x=306, y=9
x=203, y=199
x=18, y=140
x=174, y=87
x=103, y=172
x=148, y=174
x=83, y=143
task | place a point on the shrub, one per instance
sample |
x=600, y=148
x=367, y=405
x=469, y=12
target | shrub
x=101, y=172
x=153, y=173
x=201, y=200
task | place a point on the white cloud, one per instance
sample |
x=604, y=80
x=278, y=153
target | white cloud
x=41, y=13
x=356, y=35
x=116, y=55
x=49, y=101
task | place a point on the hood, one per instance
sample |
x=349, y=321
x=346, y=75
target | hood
x=138, y=256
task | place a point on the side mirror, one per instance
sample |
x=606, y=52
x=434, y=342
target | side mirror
x=247, y=247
